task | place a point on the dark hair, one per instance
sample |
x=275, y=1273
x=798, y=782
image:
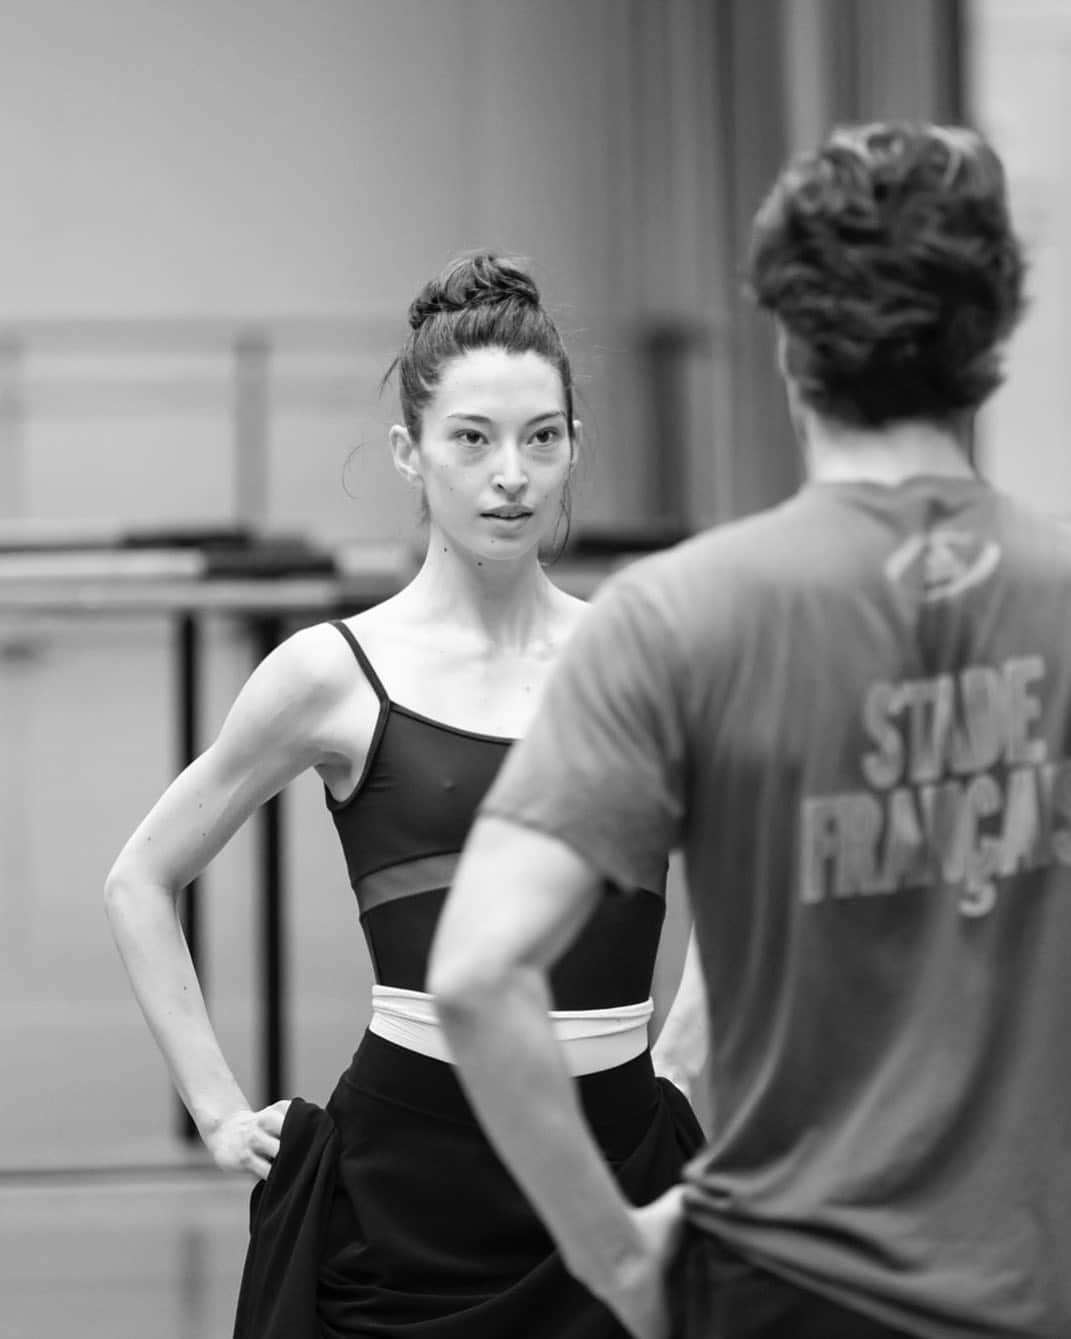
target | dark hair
x=888, y=257
x=479, y=301
x=482, y=300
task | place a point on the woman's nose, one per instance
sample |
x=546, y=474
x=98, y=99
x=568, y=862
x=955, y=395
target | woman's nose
x=510, y=474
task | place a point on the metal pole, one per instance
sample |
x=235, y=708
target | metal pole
x=268, y=629
x=187, y=643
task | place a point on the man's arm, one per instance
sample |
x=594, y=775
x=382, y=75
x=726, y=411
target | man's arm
x=595, y=792
x=495, y=942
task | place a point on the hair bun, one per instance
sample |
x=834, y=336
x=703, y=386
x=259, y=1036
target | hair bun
x=473, y=281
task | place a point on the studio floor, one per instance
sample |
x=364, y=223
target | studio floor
x=121, y=1255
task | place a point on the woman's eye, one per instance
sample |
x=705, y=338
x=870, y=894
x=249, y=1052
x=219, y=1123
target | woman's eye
x=468, y=437
x=547, y=436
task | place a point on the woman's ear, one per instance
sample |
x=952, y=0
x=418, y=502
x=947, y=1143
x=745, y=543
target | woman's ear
x=576, y=443
x=405, y=454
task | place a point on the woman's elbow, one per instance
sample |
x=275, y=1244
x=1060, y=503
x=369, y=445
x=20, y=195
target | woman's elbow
x=119, y=888
x=127, y=887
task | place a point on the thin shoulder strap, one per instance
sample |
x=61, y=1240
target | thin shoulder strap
x=362, y=660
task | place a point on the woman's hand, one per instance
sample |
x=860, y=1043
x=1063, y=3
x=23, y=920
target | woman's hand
x=248, y=1141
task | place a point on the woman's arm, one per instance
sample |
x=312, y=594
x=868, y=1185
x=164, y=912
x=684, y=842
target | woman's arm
x=680, y=1052
x=672, y=945
x=286, y=719
x=679, y=1025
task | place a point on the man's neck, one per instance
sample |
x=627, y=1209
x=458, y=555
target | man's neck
x=836, y=453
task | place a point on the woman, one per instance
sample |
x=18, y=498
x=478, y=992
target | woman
x=388, y=1210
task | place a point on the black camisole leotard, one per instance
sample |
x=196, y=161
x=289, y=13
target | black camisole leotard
x=402, y=829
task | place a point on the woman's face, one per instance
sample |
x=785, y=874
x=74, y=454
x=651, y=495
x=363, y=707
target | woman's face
x=495, y=452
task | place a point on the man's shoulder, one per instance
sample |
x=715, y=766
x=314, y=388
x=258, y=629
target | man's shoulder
x=703, y=563
x=1038, y=535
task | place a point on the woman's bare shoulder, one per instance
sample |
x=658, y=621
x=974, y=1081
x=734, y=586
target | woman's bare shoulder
x=311, y=694
x=316, y=662
x=308, y=683
x=569, y=613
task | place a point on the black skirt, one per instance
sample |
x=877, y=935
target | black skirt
x=389, y=1214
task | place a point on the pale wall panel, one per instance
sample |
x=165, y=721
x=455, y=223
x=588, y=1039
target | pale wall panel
x=1020, y=78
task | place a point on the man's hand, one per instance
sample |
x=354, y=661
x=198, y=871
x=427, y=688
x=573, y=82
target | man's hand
x=638, y=1295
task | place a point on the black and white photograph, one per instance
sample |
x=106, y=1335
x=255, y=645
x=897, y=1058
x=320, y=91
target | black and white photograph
x=535, y=669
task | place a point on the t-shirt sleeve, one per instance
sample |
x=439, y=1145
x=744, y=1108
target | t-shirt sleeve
x=602, y=766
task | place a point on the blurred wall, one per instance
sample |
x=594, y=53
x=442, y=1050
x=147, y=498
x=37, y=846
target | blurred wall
x=270, y=158
x=1020, y=91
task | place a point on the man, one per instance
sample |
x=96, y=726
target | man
x=852, y=712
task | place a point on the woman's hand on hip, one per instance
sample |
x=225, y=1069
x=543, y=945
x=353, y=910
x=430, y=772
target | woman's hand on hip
x=248, y=1141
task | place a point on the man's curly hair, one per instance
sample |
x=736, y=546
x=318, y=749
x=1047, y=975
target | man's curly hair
x=888, y=257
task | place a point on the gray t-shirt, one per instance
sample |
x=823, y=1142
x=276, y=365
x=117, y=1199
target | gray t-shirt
x=853, y=713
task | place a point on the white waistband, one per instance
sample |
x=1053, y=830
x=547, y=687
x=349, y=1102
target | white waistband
x=593, y=1039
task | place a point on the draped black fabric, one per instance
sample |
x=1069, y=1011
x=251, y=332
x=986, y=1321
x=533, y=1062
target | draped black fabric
x=287, y=1216
x=389, y=1214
